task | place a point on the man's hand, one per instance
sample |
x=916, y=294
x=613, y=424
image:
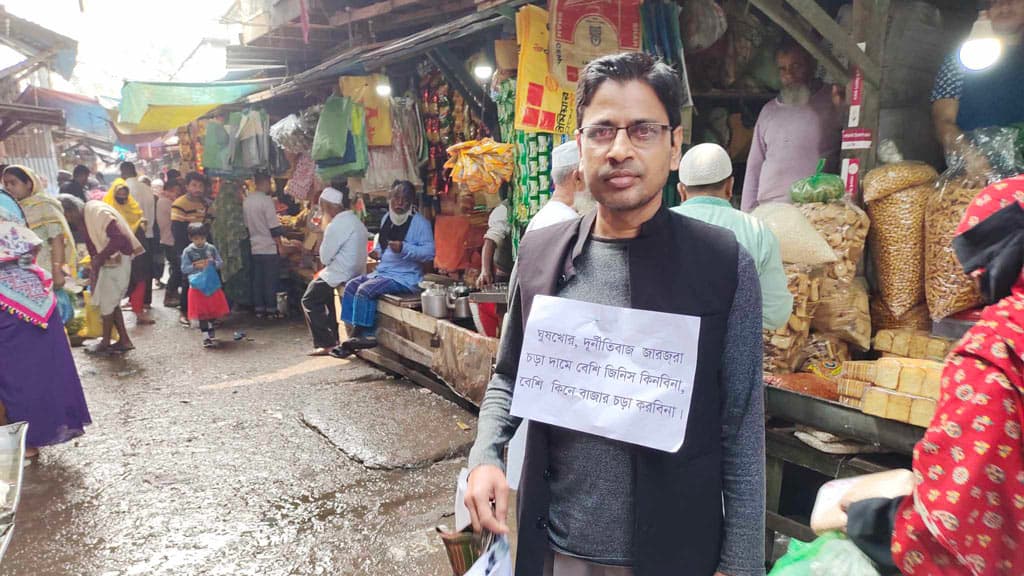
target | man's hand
x=487, y=484
x=485, y=279
x=396, y=246
x=201, y=264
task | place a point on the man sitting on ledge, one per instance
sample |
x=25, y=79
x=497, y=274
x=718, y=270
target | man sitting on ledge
x=405, y=244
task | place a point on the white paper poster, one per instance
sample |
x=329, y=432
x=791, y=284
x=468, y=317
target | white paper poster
x=613, y=372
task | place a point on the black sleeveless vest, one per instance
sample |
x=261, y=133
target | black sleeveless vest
x=677, y=265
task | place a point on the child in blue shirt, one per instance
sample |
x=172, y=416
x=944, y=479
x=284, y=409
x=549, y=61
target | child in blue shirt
x=206, y=301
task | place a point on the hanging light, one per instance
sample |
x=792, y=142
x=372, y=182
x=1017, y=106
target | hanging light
x=982, y=48
x=383, y=86
x=483, y=71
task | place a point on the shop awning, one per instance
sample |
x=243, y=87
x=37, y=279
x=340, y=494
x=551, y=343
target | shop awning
x=84, y=115
x=37, y=42
x=14, y=117
x=356, y=60
x=160, y=106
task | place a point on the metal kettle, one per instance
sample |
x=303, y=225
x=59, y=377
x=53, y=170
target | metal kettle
x=457, y=299
x=434, y=301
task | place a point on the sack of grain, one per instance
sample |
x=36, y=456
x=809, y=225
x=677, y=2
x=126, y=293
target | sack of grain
x=947, y=288
x=897, y=246
x=846, y=314
x=891, y=178
x=799, y=242
x=845, y=228
x=882, y=318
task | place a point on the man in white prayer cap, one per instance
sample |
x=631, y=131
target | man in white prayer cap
x=706, y=185
x=570, y=197
x=343, y=255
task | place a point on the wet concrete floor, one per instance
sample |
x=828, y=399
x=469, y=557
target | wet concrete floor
x=251, y=459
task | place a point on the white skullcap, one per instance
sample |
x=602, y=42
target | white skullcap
x=705, y=164
x=565, y=155
x=158, y=183
x=332, y=195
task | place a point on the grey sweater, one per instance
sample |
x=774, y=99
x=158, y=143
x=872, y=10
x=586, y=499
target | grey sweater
x=605, y=467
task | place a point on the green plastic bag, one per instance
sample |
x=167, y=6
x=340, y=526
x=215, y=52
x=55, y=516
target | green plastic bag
x=332, y=130
x=820, y=187
x=829, y=555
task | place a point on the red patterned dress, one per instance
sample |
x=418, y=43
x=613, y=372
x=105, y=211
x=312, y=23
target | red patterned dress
x=966, y=515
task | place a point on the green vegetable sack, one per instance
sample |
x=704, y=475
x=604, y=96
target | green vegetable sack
x=820, y=187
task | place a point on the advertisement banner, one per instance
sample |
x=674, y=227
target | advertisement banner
x=363, y=89
x=583, y=30
x=542, y=104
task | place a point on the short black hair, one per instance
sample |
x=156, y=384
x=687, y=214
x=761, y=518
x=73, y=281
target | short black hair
x=261, y=176
x=81, y=170
x=195, y=176
x=128, y=168
x=627, y=67
x=197, y=229
x=173, y=174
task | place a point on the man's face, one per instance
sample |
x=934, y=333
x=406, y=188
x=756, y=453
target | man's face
x=400, y=203
x=622, y=175
x=82, y=178
x=794, y=69
x=195, y=189
x=121, y=195
x=1007, y=17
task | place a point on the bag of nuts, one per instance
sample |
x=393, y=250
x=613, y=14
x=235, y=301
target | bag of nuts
x=947, y=288
x=897, y=245
x=882, y=318
x=892, y=178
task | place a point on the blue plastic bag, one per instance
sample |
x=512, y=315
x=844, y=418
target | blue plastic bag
x=65, y=307
x=206, y=280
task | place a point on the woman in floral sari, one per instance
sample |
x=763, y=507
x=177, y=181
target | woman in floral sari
x=38, y=380
x=45, y=218
x=966, y=513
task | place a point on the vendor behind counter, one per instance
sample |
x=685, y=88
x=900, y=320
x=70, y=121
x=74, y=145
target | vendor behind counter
x=964, y=100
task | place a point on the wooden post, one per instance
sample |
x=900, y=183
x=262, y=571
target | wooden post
x=870, y=24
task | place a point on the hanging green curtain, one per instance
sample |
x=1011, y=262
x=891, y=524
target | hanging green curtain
x=232, y=238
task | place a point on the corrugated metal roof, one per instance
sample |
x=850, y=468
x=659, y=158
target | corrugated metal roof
x=354, y=61
x=32, y=40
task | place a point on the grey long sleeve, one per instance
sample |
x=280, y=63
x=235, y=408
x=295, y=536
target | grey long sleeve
x=495, y=425
x=743, y=444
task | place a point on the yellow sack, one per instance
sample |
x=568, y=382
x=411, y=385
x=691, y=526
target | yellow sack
x=93, y=320
x=363, y=89
x=542, y=105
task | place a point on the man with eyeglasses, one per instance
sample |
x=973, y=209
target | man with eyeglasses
x=590, y=505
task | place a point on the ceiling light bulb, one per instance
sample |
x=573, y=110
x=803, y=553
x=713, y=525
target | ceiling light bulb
x=483, y=71
x=383, y=90
x=982, y=48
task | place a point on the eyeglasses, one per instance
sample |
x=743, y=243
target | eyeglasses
x=641, y=135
